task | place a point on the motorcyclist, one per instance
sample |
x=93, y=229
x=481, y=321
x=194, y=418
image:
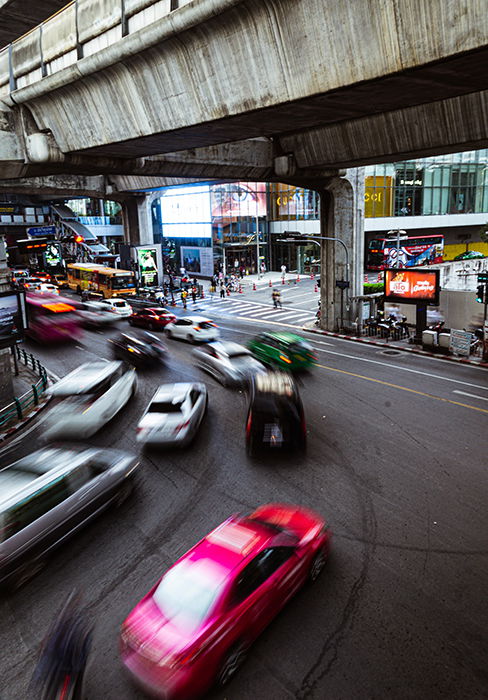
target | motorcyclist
x=64, y=654
x=276, y=296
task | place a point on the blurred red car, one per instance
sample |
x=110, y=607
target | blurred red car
x=195, y=625
x=153, y=318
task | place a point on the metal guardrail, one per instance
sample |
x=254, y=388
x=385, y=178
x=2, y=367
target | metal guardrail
x=21, y=405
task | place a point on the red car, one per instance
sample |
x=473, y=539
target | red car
x=195, y=625
x=154, y=318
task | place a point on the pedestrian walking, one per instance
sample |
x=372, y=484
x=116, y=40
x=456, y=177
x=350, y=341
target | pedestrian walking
x=241, y=272
x=222, y=291
x=276, y=296
x=184, y=296
x=263, y=268
x=194, y=294
x=283, y=271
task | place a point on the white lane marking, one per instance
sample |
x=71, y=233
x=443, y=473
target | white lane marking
x=473, y=396
x=290, y=313
x=404, y=369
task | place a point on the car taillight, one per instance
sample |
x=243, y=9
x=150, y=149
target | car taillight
x=248, y=424
x=197, y=328
x=181, y=426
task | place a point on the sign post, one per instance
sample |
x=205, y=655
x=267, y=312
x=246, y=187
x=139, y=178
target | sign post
x=419, y=287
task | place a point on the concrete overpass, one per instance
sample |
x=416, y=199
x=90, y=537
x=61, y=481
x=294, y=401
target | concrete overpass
x=330, y=84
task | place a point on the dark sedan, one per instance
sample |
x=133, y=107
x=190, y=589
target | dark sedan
x=49, y=495
x=153, y=318
x=141, y=351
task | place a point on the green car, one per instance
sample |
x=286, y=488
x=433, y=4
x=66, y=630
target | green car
x=283, y=351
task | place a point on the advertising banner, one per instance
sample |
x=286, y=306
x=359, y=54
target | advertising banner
x=13, y=319
x=149, y=269
x=197, y=261
x=53, y=254
x=412, y=286
x=185, y=212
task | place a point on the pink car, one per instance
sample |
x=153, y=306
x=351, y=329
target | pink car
x=195, y=625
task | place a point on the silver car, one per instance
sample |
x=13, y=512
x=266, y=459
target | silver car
x=174, y=414
x=94, y=314
x=49, y=495
x=230, y=363
x=88, y=398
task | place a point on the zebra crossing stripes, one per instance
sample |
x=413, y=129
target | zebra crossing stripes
x=257, y=310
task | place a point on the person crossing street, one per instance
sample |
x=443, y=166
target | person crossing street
x=276, y=296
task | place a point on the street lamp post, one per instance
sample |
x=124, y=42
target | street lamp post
x=300, y=238
x=400, y=235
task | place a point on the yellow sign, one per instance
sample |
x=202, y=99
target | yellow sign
x=378, y=196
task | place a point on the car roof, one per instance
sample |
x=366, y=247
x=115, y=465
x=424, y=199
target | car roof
x=28, y=474
x=276, y=383
x=84, y=378
x=228, y=347
x=233, y=542
x=285, y=336
x=173, y=392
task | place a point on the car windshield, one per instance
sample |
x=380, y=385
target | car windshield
x=186, y=593
x=118, y=303
x=239, y=354
x=164, y=407
x=300, y=348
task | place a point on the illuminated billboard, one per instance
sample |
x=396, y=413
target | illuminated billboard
x=13, y=318
x=185, y=212
x=234, y=200
x=412, y=286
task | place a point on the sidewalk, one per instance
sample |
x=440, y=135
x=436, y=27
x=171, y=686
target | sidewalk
x=397, y=345
x=10, y=420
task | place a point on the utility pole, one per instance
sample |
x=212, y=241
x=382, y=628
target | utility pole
x=400, y=235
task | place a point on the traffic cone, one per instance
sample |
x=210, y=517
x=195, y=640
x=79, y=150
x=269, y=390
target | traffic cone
x=315, y=289
x=240, y=289
x=202, y=295
x=298, y=278
x=270, y=285
x=365, y=279
x=380, y=277
x=228, y=292
x=312, y=276
x=254, y=286
x=282, y=280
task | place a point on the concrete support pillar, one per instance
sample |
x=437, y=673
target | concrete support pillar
x=137, y=221
x=6, y=380
x=342, y=217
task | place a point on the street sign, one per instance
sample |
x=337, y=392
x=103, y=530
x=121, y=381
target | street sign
x=342, y=284
x=41, y=231
x=459, y=342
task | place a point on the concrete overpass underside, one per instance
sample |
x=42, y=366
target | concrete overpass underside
x=315, y=85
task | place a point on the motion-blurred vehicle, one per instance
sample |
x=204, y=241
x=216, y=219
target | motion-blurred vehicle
x=275, y=417
x=193, y=329
x=469, y=255
x=52, y=318
x=61, y=281
x=49, y=495
x=18, y=275
x=93, y=314
x=283, y=350
x=230, y=363
x=117, y=306
x=42, y=276
x=136, y=350
x=154, y=318
x=30, y=283
x=88, y=397
x=195, y=625
x=156, y=344
x=141, y=301
x=174, y=414
x=48, y=287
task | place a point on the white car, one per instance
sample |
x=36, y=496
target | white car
x=94, y=314
x=48, y=287
x=193, y=329
x=174, y=414
x=230, y=363
x=87, y=398
x=118, y=306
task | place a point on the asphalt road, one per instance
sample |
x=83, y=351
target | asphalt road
x=396, y=462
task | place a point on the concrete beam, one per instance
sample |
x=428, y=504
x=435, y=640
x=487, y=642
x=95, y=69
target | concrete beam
x=180, y=83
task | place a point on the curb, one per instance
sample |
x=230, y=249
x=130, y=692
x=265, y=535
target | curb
x=416, y=351
x=22, y=423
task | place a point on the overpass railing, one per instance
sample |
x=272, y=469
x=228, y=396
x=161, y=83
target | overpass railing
x=80, y=29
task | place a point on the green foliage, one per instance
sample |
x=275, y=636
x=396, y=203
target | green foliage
x=373, y=287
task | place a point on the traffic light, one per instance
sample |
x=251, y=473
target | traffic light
x=480, y=294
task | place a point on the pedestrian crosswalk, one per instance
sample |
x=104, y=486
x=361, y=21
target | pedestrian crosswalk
x=256, y=310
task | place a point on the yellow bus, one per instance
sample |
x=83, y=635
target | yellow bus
x=106, y=281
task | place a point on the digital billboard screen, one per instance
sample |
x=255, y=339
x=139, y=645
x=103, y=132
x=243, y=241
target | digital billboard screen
x=13, y=319
x=412, y=286
x=185, y=212
x=148, y=267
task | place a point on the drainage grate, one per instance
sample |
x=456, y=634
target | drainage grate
x=391, y=352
